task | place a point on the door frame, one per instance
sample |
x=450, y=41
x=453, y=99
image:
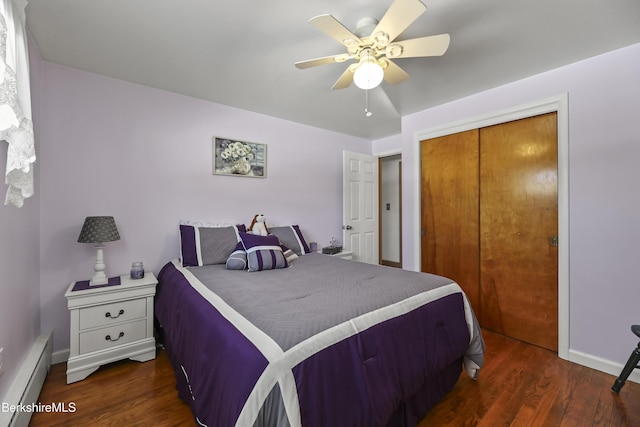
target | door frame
x=560, y=105
x=380, y=209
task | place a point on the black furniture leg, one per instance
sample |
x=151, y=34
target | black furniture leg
x=632, y=364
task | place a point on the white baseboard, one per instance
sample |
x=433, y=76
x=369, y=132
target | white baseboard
x=60, y=356
x=603, y=365
x=27, y=384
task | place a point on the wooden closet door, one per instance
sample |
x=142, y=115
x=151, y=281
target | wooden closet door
x=450, y=210
x=518, y=224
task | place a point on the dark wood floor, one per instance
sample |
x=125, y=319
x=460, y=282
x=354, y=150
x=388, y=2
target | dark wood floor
x=520, y=385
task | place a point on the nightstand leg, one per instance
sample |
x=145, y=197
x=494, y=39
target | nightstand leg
x=72, y=377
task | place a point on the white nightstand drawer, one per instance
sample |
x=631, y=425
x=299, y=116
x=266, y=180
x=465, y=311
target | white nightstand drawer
x=108, y=314
x=112, y=336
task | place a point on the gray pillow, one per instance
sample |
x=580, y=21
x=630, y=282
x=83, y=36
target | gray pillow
x=216, y=244
x=207, y=245
x=291, y=237
x=238, y=258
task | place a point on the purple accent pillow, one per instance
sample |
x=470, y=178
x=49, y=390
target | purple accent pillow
x=263, y=252
x=207, y=245
x=292, y=237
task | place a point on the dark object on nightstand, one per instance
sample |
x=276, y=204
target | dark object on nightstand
x=332, y=250
x=632, y=363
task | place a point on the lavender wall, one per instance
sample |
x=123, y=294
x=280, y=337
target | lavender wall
x=19, y=282
x=145, y=156
x=604, y=207
x=19, y=262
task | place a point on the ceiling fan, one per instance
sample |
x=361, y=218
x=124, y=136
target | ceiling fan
x=373, y=45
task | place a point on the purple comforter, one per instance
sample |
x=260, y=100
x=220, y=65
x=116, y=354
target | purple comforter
x=358, y=345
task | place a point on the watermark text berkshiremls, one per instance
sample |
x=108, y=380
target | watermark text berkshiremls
x=39, y=407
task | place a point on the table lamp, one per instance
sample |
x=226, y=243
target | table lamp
x=98, y=230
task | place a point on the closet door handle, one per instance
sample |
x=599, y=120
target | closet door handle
x=553, y=241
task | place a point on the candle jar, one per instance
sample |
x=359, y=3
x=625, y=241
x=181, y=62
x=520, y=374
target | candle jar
x=137, y=270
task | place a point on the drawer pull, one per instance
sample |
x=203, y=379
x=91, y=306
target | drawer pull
x=120, y=335
x=120, y=313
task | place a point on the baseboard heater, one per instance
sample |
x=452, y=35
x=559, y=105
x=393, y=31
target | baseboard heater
x=27, y=385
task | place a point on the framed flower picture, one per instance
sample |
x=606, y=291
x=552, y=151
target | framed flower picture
x=239, y=158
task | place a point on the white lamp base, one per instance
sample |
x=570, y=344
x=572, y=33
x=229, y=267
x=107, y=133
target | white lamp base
x=99, y=278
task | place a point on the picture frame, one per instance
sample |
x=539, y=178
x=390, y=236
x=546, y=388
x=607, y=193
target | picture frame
x=233, y=157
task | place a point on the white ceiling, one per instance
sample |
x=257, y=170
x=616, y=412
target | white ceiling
x=242, y=53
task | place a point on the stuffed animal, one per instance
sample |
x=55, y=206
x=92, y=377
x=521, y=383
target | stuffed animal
x=258, y=225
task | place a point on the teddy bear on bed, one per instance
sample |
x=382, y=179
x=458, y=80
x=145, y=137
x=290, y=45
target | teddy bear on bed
x=258, y=225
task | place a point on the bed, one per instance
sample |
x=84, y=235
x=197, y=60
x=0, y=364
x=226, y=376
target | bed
x=306, y=339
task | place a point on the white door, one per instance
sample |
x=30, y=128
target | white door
x=360, y=206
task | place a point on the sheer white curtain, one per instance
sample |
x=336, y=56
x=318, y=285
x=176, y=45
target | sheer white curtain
x=15, y=102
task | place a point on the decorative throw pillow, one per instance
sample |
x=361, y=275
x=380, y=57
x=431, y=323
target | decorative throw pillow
x=238, y=258
x=291, y=236
x=263, y=252
x=207, y=245
x=288, y=254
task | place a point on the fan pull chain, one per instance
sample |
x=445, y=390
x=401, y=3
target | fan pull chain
x=367, y=111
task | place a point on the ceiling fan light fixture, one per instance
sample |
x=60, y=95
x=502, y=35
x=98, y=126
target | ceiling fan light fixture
x=369, y=73
x=373, y=46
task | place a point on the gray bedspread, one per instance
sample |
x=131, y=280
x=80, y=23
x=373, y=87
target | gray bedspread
x=323, y=292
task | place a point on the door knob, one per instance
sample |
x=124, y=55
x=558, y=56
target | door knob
x=347, y=227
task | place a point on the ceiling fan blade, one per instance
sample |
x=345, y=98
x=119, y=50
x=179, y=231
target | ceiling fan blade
x=393, y=74
x=345, y=79
x=423, y=46
x=400, y=15
x=334, y=29
x=322, y=61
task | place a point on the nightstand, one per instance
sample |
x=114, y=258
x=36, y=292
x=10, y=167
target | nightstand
x=109, y=323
